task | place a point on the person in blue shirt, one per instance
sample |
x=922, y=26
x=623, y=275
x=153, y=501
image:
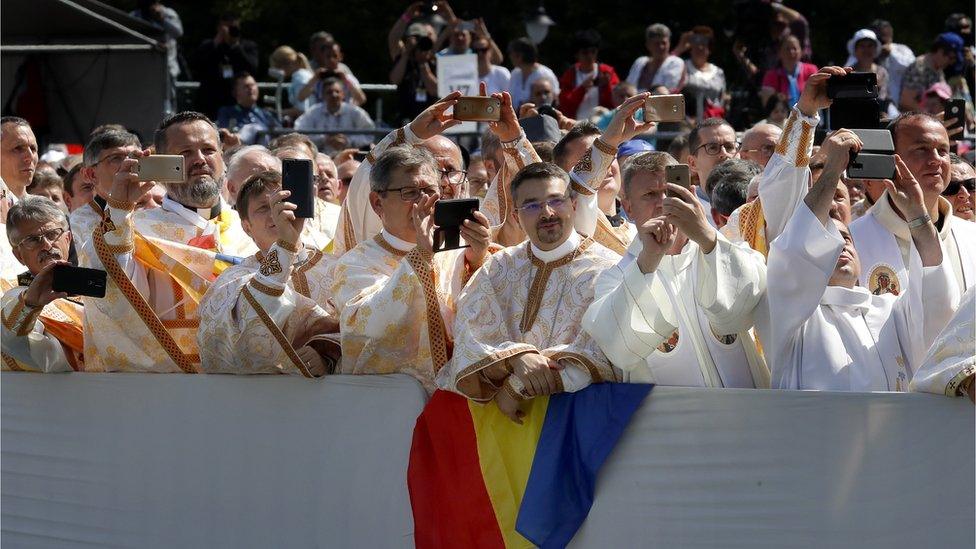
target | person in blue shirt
x=245, y=117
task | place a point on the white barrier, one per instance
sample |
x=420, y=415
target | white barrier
x=138, y=460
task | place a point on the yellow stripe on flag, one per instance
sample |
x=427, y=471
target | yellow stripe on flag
x=506, y=450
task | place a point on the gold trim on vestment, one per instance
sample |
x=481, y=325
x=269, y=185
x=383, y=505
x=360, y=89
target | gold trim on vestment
x=382, y=243
x=12, y=363
x=952, y=387
x=538, y=288
x=470, y=371
x=266, y=289
x=276, y=332
x=422, y=264
x=298, y=277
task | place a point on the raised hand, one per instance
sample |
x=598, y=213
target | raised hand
x=814, y=94
x=685, y=212
x=126, y=187
x=905, y=191
x=40, y=293
x=507, y=128
x=423, y=222
x=289, y=227
x=434, y=120
x=656, y=236
x=478, y=236
x=837, y=148
x=623, y=126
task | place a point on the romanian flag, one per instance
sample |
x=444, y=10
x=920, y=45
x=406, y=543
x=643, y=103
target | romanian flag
x=477, y=479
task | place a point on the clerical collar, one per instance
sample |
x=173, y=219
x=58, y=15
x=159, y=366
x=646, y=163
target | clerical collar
x=838, y=296
x=205, y=213
x=548, y=256
x=397, y=243
x=100, y=202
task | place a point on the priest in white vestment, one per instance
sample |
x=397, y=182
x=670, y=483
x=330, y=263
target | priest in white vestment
x=827, y=332
x=161, y=261
x=518, y=332
x=357, y=221
x=949, y=367
x=395, y=297
x=272, y=313
x=42, y=329
x=678, y=308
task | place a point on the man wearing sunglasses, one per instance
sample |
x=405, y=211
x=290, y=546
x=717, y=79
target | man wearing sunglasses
x=42, y=329
x=518, y=321
x=394, y=295
x=357, y=221
x=960, y=191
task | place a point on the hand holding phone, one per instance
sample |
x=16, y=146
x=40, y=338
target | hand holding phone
x=71, y=280
x=296, y=177
x=162, y=168
x=955, y=112
x=664, y=108
x=680, y=175
x=478, y=108
x=449, y=215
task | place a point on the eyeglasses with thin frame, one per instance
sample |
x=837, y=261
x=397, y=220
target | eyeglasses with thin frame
x=535, y=208
x=766, y=150
x=34, y=241
x=953, y=187
x=413, y=194
x=714, y=149
x=112, y=159
x=454, y=177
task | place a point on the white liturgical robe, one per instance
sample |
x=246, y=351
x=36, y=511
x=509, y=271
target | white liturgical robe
x=525, y=300
x=47, y=339
x=396, y=307
x=687, y=323
x=833, y=338
x=952, y=357
x=257, y=313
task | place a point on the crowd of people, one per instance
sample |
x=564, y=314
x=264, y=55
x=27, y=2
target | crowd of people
x=585, y=262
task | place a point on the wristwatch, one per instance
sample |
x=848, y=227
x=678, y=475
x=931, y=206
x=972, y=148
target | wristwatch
x=920, y=221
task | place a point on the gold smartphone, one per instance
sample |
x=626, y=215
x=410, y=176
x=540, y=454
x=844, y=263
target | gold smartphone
x=664, y=108
x=680, y=175
x=163, y=168
x=478, y=109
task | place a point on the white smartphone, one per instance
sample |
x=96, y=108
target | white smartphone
x=163, y=168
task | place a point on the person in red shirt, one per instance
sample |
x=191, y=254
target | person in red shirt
x=790, y=75
x=587, y=84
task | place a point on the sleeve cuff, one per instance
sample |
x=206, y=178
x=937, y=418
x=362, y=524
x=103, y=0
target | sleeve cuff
x=638, y=286
x=276, y=267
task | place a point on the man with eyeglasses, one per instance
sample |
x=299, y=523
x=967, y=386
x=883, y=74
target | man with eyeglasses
x=759, y=143
x=101, y=159
x=710, y=143
x=677, y=309
x=358, y=222
x=42, y=329
x=960, y=191
x=161, y=261
x=518, y=332
x=496, y=77
x=394, y=295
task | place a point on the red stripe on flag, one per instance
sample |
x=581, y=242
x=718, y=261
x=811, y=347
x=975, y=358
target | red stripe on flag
x=451, y=507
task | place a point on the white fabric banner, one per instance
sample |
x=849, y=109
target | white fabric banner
x=142, y=460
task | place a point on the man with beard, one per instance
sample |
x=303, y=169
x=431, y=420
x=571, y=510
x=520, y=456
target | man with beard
x=161, y=261
x=518, y=320
x=42, y=329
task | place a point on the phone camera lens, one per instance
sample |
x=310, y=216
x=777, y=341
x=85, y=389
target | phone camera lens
x=489, y=109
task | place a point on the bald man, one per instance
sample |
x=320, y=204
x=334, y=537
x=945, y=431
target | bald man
x=357, y=221
x=248, y=161
x=759, y=142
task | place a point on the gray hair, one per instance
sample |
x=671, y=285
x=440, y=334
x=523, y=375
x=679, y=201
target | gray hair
x=657, y=30
x=491, y=145
x=406, y=158
x=33, y=209
x=108, y=139
x=239, y=155
x=649, y=161
x=729, y=184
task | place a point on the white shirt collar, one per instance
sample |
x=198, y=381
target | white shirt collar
x=559, y=251
x=397, y=243
x=171, y=205
x=838, y=296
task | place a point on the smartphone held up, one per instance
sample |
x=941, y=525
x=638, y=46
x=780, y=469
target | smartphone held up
x=162, y=168
x=478, y=109
x=296, y=177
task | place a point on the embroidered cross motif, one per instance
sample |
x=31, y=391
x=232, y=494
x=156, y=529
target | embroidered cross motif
x=271, y=265
x=585, y=164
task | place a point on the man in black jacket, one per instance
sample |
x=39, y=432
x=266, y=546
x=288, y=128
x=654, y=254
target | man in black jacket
x=216, y=62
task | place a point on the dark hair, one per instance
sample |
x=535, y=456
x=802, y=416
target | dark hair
x=953, y=23
x=106, y=127
x=896, y=123
x=16, y=120
x=941, y=44
x=525, y=49
x=771, y=104
x=253, y=186
x=956, y=159
x=539, y=170
x=332, y=81
x=69, y=178
x=694, y=139
x=579, y=131
x=107, y=139
x=677, y=144
x=544, y=150
x=185, y=117
x=45, y=177
x=728, y=183
x=705, y=31
x=588, y=38
x=322, y=36
x=241, y=75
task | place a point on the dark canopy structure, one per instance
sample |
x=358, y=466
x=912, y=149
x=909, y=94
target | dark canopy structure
x=68, y=66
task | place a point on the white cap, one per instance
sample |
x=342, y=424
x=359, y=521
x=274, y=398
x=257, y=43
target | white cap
x=863, y=34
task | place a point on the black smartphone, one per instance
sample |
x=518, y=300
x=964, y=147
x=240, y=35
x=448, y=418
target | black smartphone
x=296, y=176
x=78, y=281
x=872, y=166
x=680, y=175
x=955, y=108
x=856, y=85
x=448, y=216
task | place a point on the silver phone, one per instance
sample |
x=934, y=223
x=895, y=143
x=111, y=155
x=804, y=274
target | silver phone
x=164, y=168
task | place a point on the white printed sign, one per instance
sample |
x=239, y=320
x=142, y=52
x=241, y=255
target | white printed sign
x=458, y=73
